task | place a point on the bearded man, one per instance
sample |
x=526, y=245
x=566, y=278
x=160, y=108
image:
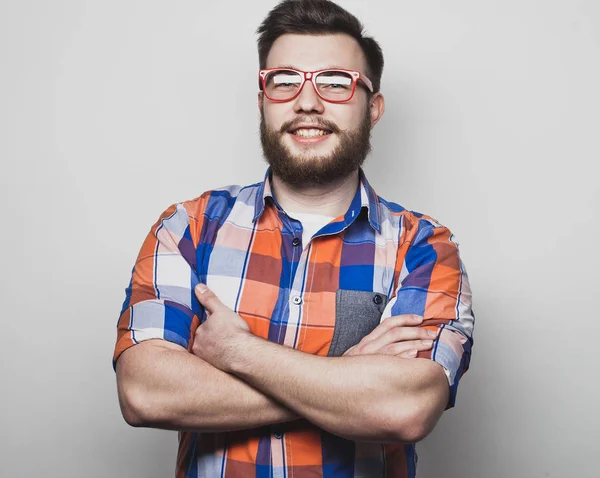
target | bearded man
x=301, y=326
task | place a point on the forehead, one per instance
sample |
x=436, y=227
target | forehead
x=316, y=52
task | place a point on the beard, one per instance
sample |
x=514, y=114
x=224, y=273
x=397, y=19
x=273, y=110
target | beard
x=306, y=169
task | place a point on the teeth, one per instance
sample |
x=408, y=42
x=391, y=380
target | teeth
x=310, y=133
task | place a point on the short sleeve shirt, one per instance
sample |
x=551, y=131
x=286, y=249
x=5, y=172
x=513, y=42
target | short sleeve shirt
x=375, y=261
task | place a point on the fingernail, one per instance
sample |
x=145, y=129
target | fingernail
x=201, y=288
x=412, y=353
x=427, y=343
x=417, y=319
x=433, y=333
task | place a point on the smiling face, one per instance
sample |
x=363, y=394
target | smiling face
x=308, y=140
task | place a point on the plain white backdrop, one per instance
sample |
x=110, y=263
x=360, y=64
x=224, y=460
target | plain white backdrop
x=110, y=111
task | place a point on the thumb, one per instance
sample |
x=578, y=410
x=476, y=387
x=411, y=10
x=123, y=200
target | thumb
x=208, y=298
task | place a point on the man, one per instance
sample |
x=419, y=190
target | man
x=334, y=325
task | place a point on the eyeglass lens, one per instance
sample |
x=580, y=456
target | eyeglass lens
x=332, y=84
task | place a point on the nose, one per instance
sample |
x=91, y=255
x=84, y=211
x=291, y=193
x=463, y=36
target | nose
x=308, y=101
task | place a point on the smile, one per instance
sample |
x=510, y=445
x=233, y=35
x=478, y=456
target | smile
x=310, y=132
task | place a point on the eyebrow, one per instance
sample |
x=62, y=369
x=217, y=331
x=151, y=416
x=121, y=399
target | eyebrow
x=331, y=67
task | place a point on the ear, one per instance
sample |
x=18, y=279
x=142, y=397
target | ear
x=260, y=100
x=377, y=108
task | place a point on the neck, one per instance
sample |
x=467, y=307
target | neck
x=331, y=199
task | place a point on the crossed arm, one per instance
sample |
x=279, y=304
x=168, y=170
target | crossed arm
x=375, y=392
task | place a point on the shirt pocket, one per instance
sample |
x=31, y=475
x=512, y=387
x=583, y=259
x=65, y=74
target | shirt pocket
x=357, y=313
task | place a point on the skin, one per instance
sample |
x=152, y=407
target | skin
x=312, y=53
x=337, y=394
x=223, y=384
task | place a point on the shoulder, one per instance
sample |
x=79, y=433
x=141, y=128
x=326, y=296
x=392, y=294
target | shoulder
x=217, y=203
x=189, y=218
x=409, y=223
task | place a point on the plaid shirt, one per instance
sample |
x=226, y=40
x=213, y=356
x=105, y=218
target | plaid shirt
x=376, y=261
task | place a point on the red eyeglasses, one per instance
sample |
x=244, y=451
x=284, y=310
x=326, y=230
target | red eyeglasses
x=334, y=85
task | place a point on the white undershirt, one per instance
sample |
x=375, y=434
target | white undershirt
x=311, y=223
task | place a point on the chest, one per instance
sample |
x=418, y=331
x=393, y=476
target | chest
x=320, y=297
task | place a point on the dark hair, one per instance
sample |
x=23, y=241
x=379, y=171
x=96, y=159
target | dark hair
x=318, y=17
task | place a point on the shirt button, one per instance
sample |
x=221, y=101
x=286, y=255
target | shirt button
x=296, y=242
x=377, y=299
x=278, y=436
x=297, y=300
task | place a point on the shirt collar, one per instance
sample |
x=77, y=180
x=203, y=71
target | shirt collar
x=365, y=198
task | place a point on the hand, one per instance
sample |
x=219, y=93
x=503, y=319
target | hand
x=217, y=339
x=399, y=335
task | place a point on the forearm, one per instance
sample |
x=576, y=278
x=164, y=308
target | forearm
x=367, y=398
x=163, y=386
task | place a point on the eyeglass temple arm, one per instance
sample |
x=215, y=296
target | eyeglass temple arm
x=367, y=82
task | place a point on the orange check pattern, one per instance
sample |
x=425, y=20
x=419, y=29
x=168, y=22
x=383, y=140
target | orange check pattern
x=239, y=242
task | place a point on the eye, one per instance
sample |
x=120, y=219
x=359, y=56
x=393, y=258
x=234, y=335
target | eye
x=285, y=80
x=334, y=81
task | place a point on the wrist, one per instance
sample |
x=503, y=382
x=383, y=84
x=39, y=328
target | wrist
x=241, y=352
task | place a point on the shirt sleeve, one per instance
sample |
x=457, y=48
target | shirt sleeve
x=160, y=301
x=431, y=281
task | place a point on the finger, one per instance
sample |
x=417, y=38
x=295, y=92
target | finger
x=398, y=335
x=208, y=299
x=404, y=320
x=407, y=349
x=401, y=334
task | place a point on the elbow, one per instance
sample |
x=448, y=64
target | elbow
x=133, y=418
x=421, y=412
x=396, y=425
x=132, y=410
x=416, y=422
x=144, y=399
x=136, y=406
x=140, y=405
x=407, y=429
x=410, y=432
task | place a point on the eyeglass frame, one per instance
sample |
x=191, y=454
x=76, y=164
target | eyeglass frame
x=311, y=76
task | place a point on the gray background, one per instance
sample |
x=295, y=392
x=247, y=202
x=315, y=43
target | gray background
x=108, y=114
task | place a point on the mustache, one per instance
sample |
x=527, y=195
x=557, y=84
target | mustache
x=318, y=122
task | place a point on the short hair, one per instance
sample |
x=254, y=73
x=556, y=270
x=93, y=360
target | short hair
x=318, y=17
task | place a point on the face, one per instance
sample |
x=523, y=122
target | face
x=308, y=140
